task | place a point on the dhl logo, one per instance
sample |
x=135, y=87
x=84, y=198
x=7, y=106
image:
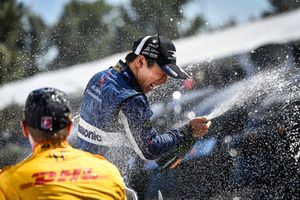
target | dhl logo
x=66, y=175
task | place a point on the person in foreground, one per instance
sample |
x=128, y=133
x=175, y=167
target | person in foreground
x=55, y=170
x=115, y=112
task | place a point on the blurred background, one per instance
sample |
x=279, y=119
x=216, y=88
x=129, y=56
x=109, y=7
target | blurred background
x=243, y=58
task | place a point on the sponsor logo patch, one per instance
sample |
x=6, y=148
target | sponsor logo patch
x=89, y=134
x=46, y=123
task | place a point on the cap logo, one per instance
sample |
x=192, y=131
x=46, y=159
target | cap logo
x=153, y=45
x=147, y=48
x=46, y=123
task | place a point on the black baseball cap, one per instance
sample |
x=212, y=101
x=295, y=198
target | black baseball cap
x=163, y=51
x=47, y=109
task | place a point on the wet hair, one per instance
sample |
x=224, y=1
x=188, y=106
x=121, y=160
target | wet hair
x=41, y=136
x=132, y=56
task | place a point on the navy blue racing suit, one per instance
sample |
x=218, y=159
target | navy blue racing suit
x=115, y=116
x=114, y=91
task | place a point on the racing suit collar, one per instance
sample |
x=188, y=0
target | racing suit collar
x=49, y=145
x=125, y=70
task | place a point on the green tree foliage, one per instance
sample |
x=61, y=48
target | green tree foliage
x=82, y=34
x=144, y=17
x=158, y=16
x=35, y=44
x=126, y=31
x=195, y=26
x=286, y=5
x=10, y=42
x=20, y=41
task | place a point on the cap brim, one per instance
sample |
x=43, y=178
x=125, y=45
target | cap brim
x=174, y=71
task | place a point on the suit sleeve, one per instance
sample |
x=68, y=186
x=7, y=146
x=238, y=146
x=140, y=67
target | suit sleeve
x=152, y=144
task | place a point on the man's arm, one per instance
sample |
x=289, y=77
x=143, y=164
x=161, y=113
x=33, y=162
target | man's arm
x=152, y=144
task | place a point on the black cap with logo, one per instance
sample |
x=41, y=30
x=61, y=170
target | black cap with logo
x=163, y=51
x=47, y=109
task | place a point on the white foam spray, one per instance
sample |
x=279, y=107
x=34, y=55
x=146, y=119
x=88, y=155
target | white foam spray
x=262, y=84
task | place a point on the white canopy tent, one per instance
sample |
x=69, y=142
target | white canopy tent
x=278, y=29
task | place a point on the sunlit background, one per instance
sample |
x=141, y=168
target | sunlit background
x=243, y=57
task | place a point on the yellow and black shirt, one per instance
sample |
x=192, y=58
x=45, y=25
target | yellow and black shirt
x=61, y=172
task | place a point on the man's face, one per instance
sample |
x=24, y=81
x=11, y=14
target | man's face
x=150, y=78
